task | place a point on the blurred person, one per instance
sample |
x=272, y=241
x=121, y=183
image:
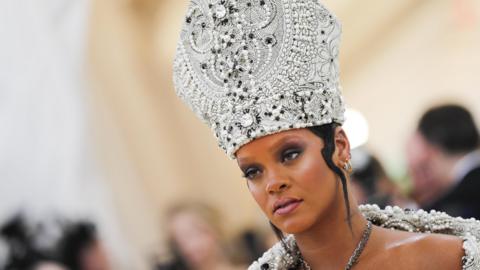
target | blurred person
x=24, y=253
x=80, y=248
x=196, y=239
x=49, y=265
x=252, y=243
x=444, y=161
x=264, y=76
x=371, y=184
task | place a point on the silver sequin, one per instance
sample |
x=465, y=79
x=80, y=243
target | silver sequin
x=394, y=218
x=250, y=68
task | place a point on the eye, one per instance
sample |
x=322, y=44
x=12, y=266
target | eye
x=251, y=173
x=290, y=154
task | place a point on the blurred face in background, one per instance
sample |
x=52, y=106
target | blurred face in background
x=420, y=159
x=195, y=238
x=94, y=257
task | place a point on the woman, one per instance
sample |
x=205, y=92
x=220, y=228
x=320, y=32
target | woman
x=196, y=240
x=264, y=75
x=81, y=248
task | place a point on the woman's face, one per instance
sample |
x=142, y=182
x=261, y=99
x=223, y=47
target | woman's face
x=196, y=239
x=289, y=179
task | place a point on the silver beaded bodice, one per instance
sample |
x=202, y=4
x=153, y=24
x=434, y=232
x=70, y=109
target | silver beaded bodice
x=277, y=258
x=250, y=68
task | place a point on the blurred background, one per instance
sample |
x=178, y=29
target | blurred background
x=91, y=129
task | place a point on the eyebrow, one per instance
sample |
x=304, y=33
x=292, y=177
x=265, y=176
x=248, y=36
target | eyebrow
x=244, y=162
x=274, y=149
x=287, y=140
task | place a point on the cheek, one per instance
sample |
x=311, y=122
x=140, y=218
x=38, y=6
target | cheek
x=318, y=184
x=259, y=195
x=313, y=173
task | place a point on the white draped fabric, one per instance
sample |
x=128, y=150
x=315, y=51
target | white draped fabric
x=46, y=161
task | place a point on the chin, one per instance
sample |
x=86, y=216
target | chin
x=294, y=225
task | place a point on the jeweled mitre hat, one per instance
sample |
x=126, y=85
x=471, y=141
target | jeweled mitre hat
x=251, y=68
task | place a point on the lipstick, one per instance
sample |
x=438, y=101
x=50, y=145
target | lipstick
x=286, y=206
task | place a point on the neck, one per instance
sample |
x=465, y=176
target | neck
x=446, y=171
x=330, y=243
x=426, y=197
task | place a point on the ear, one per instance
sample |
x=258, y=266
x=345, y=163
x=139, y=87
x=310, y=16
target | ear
x=342, y=147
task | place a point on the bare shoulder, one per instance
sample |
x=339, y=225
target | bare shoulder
x=433, y=251
x=444, y=251
x=420, y=251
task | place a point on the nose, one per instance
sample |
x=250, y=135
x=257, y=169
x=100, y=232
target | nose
x=277, y=183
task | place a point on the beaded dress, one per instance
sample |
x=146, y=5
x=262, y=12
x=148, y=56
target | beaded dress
x=396, y=218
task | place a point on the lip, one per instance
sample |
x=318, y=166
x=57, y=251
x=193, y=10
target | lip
x=286, y=206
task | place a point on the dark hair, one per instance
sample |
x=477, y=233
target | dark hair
x=327, y=134
x=450, y=127
x=23, y=253
x=77, y=238
x=369, y=175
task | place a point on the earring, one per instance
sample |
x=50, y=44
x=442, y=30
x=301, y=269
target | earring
x=347, y=166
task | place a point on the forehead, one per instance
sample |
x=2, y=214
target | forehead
x=271, y=141
x=186, y=219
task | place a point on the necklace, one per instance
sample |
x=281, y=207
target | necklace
x=356, y=253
